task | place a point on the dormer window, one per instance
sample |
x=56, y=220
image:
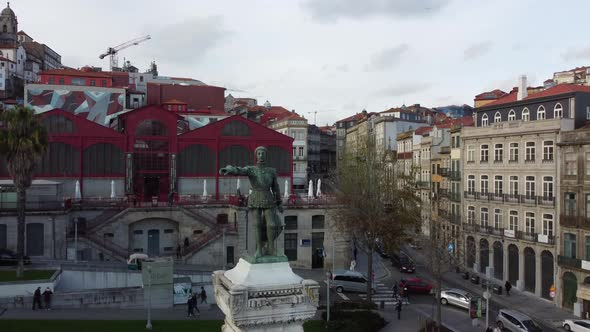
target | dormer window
x=484, y=120
x=558, y=111
x=541, y=113
x=526, y=115
x=511, y=115
x=497, y=117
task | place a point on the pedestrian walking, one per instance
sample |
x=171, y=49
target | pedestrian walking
x=189, y=303
x=497, y=328
x=352, y=265
x=47, y=298
x=178, y=251
x=185, y=243
x=406, y=294
x=395, y=290
x=195, y=306
x=507, y=286
x=398, y=307
x=355, y=252
x=203, y=295
x=37, y=298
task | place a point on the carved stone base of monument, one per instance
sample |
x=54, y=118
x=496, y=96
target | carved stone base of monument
x=264, y=298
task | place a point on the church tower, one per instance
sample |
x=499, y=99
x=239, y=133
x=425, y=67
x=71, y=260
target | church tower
x=8, y=26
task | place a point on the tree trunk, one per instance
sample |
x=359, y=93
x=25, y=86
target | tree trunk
x=370, y=275
x=20, y=246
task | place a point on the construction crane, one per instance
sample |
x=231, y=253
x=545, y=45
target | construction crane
x=112, y=51
x=315, y=113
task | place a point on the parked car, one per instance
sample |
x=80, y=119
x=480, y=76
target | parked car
x=9, y=258
x=576, y=325
x=350, y=281
x=415, y=285
x=457, y=297
x=515, y=321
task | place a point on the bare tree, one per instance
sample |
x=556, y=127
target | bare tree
x=377, y=202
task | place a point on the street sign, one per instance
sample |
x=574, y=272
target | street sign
x=486, y=295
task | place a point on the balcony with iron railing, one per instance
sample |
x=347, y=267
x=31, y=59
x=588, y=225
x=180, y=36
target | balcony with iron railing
x=469, y=194
x=455, y=197
x=423, y=184
x=455, y=176
x=455, y=219
x=444, y=172
x=570, y=262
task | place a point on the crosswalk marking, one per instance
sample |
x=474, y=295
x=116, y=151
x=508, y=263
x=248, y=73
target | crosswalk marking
x=344, y=297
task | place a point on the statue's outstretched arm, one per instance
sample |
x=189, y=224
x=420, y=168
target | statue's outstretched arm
x=234, y=170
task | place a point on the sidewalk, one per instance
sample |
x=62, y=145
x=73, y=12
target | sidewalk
x=540, y=309
x=209, y=312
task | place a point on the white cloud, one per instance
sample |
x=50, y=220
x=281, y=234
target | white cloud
x=330, y=10
x=403, y=89
x=582, y=53
x=477, y=50
x=387, y=58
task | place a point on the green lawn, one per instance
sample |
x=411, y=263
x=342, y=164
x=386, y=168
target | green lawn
x=122, y=325
x=29, y=275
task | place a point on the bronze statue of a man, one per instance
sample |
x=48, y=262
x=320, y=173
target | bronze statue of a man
x=265, y=201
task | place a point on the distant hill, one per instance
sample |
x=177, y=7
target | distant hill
x=455, y=111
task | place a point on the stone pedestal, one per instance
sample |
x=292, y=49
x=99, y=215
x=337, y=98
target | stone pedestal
x=264, y=298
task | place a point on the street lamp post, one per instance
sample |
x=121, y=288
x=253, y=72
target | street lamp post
x=149, y=310
x=487, y=296
x=328, y=296
x=76, y=240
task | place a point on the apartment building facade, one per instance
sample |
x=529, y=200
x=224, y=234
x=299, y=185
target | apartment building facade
x=510, y=177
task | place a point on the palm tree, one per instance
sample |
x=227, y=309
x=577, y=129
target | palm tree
x=23, y=141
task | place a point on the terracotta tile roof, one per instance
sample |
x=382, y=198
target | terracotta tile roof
x=423, y=130
x=205, y=112
x=466, y=121
x=6, y=59
x=553, y=91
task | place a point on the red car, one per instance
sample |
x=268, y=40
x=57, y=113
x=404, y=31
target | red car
x=415, y=285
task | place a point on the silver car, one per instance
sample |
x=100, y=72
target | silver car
x=456, y=297
x=349, y=281
x=515, y=321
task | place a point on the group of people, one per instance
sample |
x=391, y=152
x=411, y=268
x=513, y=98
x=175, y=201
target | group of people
x=399, y=294
x=193, y=301
x=46, y=295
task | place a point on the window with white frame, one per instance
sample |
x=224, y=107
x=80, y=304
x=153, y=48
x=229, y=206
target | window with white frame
x=529, y=223
x=530, y=187
x=471, y=153
x=497, y=117
x=484, y=217
x=513, y=151
x=547, y=150
x=558, y=111
x=513, y=221
x=471, y=214
x=548, y=225
x=529, y=151
x=511, y=115
x=513, y=185
x=526, y=114
x=587, y=165
x=547, y=187
x=498, y=152
x=571, y=164
x=484, y=184
x=498, y=185
x=484, y=150
x=484, y=120
x=471, y=183
x=587, y=206
x=497, y=219
x=541, y=113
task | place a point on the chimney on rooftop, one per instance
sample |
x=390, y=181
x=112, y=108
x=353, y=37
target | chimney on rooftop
x=522, y=88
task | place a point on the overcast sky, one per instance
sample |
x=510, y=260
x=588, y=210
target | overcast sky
x=333, y=56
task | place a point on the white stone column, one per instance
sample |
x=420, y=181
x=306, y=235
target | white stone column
x=520, y=281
